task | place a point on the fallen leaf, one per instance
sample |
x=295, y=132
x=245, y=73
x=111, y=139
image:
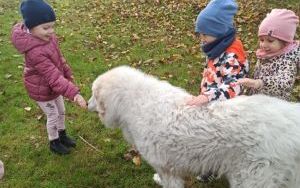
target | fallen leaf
x=27, y=108
x=148, y=61
x=128, y=156
x=135, y=36
x=16, y=55
x=7, y=76
x=39, y=117
x=137, y=160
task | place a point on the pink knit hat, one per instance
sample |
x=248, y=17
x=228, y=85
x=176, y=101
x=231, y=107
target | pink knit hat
x=281, y=24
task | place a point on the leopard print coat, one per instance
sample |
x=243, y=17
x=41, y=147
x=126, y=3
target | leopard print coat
x=278, y=74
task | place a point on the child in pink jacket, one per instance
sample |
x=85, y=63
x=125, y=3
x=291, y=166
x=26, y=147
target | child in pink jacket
x=47, y=76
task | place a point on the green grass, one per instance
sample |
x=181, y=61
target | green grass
x=97, y=35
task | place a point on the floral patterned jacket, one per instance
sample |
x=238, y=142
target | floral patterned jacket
x=220, y=75
x=278, y=74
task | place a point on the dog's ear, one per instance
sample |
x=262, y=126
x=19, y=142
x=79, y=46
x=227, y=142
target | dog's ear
x=92, y=104
x=101, y=108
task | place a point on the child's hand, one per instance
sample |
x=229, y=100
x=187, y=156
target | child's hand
x=71, y=78
x=80, y=101
x=247, y=82
x=64, y=60
x=197, y=101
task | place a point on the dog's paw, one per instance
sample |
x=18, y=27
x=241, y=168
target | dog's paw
x=156, y=179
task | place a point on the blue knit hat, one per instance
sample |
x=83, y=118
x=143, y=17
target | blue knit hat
x=36, y=12
x=216, y=18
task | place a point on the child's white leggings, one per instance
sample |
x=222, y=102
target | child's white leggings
x=55, y=112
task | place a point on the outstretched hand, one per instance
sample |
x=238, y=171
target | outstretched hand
x=80, y=101
x=197, y=101
x=252, y=83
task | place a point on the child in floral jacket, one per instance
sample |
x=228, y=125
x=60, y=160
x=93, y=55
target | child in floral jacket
x=226, y=58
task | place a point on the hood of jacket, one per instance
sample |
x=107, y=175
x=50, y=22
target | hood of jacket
x=237, y=48
x=23, y=40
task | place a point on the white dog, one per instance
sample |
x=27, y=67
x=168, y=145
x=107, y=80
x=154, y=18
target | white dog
x=253, y=141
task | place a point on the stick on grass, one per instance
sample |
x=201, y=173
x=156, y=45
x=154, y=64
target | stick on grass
x=85, y=141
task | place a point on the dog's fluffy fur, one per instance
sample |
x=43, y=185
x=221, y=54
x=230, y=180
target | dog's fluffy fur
x=254, y=141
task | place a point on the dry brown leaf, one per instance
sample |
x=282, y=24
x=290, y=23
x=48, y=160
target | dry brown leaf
x=137, y=160
x=135, y=37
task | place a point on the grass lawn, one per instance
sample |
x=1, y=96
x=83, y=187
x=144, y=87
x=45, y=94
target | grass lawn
x=97, y=35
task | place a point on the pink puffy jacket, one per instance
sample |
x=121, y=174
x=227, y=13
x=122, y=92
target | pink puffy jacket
x=46, y=74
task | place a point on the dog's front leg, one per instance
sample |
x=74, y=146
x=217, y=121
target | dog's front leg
x=171, y=181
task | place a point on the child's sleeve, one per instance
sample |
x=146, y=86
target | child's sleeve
x=281, y=82
x=67, y=70
x=225, y=86
x=298, y=59
x=53, y=76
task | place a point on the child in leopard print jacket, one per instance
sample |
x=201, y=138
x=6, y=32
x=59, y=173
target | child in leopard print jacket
x=278, y=56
